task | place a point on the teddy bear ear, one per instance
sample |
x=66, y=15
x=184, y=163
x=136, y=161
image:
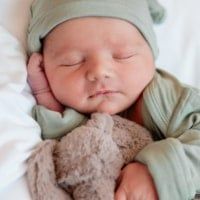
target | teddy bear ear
x=41, y=173
x=157, y=11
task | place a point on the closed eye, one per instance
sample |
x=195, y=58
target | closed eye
x=72, y=64
x=124, y=57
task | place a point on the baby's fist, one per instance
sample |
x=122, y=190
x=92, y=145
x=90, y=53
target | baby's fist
x=39, y=84
x=36, y=76
x=135, y=183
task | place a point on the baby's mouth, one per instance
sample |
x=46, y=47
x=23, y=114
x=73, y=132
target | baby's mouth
x=103, y=93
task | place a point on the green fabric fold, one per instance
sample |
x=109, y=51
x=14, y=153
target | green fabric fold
x=54, y=124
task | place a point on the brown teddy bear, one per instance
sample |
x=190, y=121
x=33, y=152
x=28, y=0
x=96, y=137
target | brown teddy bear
x=85, y=163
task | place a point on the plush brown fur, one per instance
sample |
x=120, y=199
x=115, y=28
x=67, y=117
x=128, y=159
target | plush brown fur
x=85, y=164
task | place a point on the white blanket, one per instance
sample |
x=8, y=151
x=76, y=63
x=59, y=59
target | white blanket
x=179, y=44
x=19, y=133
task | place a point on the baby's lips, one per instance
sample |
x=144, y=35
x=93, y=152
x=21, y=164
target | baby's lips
x=102, y=92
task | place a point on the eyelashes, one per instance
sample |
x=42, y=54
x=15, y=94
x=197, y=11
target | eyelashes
x=122, y=57
x=73, y=64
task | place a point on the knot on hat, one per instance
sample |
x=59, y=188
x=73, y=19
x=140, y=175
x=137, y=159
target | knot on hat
x=158, y=13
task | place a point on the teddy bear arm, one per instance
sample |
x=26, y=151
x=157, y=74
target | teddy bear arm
x=100, y=188
x=130, y=137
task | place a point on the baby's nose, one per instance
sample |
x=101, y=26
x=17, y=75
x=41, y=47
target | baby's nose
x=100, y=70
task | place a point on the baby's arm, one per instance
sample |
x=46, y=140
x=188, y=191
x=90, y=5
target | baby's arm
x=39, y=84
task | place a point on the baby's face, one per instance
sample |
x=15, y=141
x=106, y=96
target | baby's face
x=97, y=64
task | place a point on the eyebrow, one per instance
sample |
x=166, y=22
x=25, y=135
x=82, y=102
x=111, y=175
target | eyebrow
x=58, y=53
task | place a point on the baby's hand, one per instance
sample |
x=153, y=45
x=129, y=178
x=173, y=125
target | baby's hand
x=39, y=84
x=136, y=183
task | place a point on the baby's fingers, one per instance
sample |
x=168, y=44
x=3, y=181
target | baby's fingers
x=35, y=64
x=120, y=194
x=36, y=75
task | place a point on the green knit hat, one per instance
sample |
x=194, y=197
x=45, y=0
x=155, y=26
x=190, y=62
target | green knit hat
x=46, y=14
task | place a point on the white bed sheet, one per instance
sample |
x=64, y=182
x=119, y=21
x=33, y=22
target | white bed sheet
x=179, y=53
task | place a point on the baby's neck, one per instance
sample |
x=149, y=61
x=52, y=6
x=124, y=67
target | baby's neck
x=134, y=113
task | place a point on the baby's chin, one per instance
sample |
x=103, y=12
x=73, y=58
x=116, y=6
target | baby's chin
x=105, y=106
x=106, y=109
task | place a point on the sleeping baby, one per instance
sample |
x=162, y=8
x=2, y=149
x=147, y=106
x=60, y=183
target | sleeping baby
x=99, y=57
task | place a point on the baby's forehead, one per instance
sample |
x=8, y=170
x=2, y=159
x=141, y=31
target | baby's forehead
x=117, y=36
x=97, y=31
